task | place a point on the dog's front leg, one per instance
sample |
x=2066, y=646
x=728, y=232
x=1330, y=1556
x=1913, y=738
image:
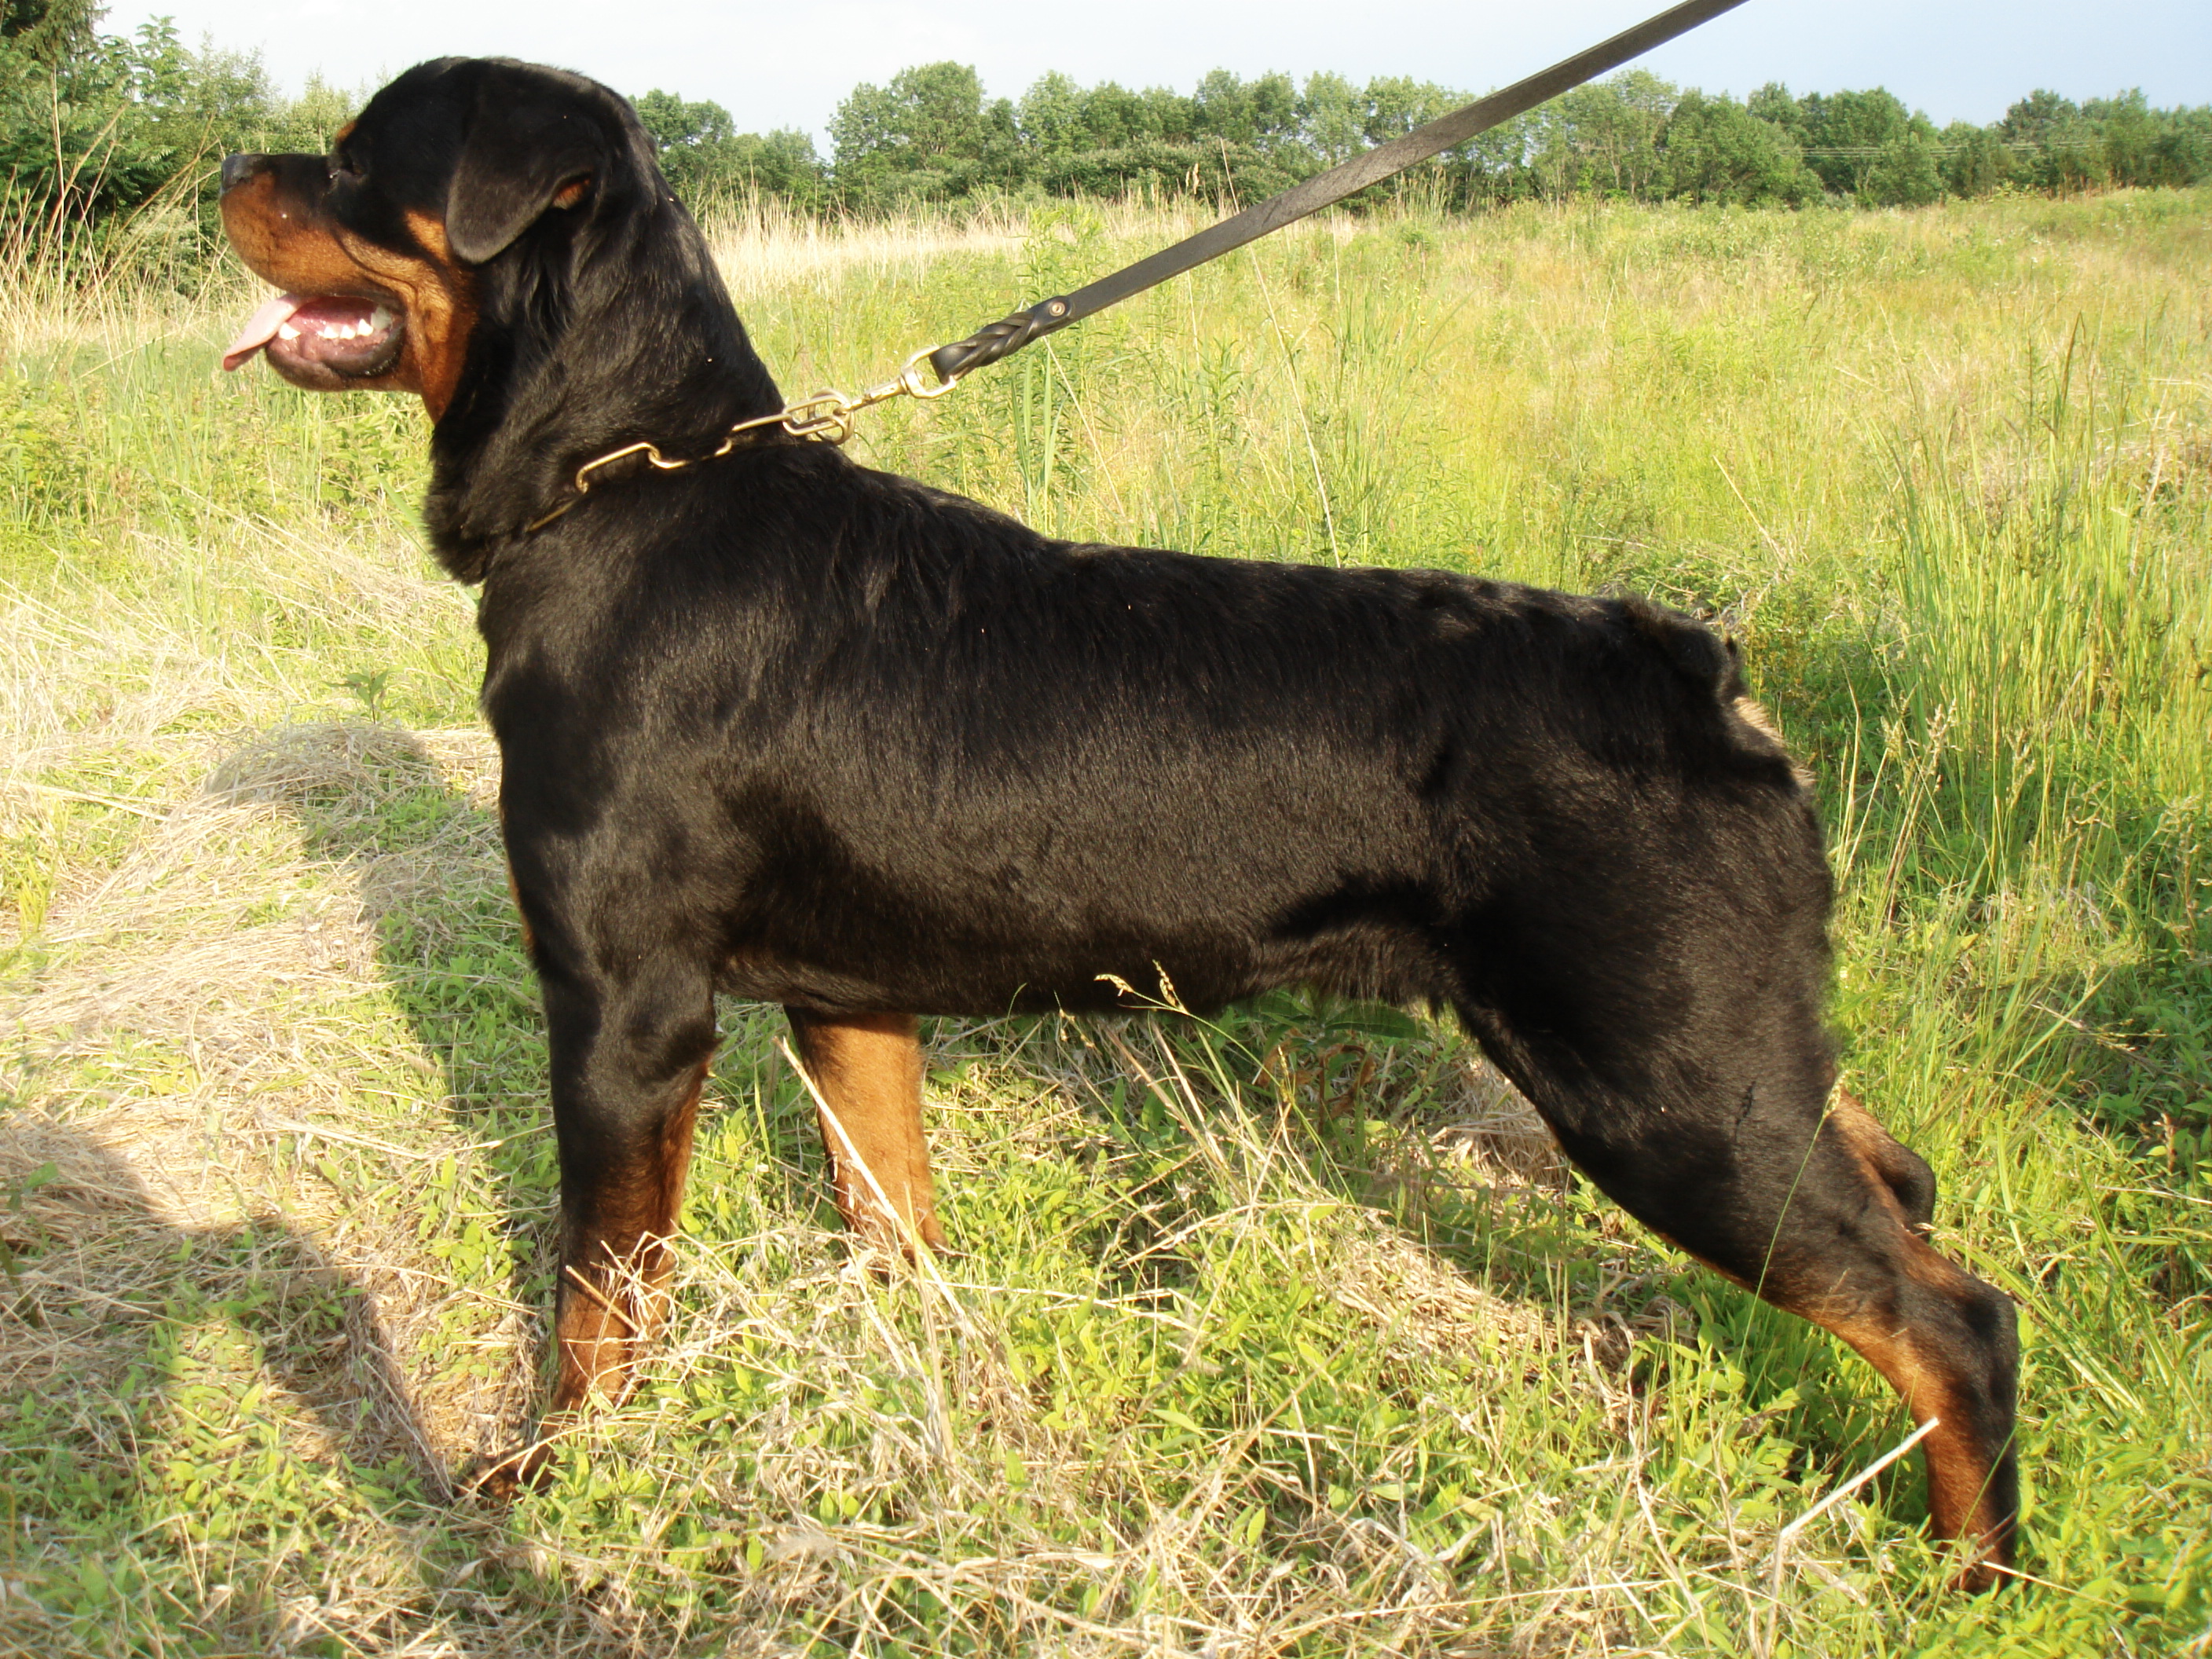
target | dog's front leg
x=630, y=1055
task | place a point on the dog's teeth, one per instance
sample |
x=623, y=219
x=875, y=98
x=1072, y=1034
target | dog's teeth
x=286, y=331
x=378, y=320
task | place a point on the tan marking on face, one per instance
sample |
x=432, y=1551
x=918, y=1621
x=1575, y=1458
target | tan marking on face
x=439, y=301
x=274, y=237
x=284, y=243
x=343, y=134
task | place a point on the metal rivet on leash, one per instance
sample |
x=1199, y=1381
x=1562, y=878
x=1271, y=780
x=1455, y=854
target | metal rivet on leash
x=827, y=416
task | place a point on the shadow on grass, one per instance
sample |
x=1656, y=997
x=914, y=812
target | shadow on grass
x=212, y=1440
x=405, y=821
x=224, y=1389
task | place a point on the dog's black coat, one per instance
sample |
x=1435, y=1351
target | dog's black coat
x=788, y=727
x=904, y=753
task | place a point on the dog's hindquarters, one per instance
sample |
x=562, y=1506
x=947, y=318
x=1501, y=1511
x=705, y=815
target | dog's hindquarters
x=1687, y=1072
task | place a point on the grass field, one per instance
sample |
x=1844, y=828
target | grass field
x=1284, y=1333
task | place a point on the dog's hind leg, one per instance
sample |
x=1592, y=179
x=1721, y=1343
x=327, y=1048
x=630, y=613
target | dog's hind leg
x=1835, y=1244
x=1727, y=1148
x=1900, y=1168
x=867, y=1068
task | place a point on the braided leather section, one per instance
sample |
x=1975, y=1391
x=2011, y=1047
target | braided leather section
x=1008, y=334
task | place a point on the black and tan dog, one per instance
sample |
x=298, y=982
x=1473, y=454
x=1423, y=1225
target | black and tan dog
x=784, y=727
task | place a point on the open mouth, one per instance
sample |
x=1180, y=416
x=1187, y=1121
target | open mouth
x=318, y=334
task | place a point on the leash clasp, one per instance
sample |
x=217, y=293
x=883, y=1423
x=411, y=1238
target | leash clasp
x=828, y=414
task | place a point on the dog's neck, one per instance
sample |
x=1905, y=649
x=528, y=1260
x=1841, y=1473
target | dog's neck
x=587, y=340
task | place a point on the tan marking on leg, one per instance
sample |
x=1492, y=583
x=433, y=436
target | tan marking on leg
x=868, y=1067
x=529, y=939
x=1960, y=1469
x=1885, y=1158
x=617, y=1301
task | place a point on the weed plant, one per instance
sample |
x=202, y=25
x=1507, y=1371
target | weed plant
x=1283, y=1332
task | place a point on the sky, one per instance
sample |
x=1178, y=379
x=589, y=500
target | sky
x=790, y=63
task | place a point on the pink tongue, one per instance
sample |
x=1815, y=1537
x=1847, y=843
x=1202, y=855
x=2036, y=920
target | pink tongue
x=261, y=328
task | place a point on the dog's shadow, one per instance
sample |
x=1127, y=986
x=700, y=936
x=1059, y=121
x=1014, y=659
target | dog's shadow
x=126, y=1327
x=407, y=823
x=205, y=1344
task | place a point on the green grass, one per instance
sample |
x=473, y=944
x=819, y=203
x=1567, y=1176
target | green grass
x=1278, y=1334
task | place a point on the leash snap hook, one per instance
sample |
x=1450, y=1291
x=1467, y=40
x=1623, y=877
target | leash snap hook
x=911, y=384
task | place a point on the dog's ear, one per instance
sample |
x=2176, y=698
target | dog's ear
x=530, y=147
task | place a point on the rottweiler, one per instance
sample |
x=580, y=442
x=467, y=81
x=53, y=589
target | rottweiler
x=778, y=725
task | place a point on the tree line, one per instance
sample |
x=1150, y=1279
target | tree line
x=930, y=135
x=95, y=128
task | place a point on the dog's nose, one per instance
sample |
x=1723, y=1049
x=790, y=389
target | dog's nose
x=237, y=169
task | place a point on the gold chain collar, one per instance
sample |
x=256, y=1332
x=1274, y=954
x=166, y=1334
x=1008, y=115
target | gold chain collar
x=824, y=416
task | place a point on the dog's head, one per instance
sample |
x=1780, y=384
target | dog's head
x=497, y=237
x=380, y=245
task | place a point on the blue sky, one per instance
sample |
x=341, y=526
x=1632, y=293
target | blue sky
x=788, y=64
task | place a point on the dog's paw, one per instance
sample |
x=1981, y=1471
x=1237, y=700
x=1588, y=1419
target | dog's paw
x=505, y=1476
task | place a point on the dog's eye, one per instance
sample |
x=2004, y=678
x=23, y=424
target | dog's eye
x=345, y=167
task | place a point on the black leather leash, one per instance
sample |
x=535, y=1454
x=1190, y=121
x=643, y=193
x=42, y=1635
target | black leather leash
x=1010, y=334
x=828, y=414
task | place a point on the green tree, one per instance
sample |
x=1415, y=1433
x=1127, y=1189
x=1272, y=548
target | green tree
x=1262, y=113
x=1603, y=138
x=928, y=134
x=1845, y=135
x=704, y=157
x=1050, y=116
x=1717, y=150
x=1333, y=115
x=1396, y=104
x=928, y=116
x=93, y=127
x=1977, y=161
x=2037, y=118
x=1908, y=172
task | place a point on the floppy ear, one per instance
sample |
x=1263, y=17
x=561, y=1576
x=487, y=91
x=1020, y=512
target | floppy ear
x=526, y=150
